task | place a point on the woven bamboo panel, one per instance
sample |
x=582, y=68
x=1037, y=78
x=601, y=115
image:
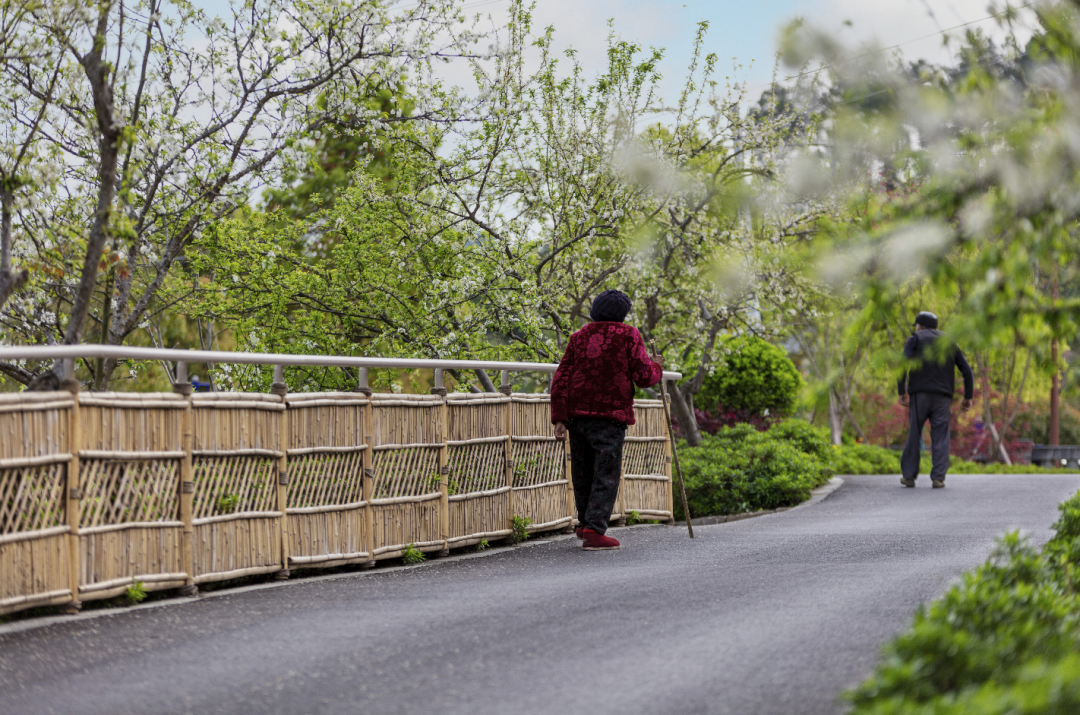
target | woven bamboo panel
x=326, y=480
x=34, y=424
x=130, y=509
x=476, y=467
x=649, y=419
x=34, y=539
x=129, y=491
x=545, y=505
x=646, y=486
x=237, y=547
x=31, y=498
x=398, y=525
x=126, y=422
x=326, y=419
x=407, y=473
x=540, y=487
x=234, y=484
x=230, y=421
x=476, y=416
x=406, y=419
x=480, y=517
x=328, y=538
x=237, y=525
x=110, y=561
x=34, y=572
x=648, y=497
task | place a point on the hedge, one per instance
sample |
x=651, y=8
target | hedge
x=740, y=469
x=1003, y=641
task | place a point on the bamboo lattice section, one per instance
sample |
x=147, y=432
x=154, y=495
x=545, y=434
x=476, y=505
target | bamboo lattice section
x=235, y=510
x=35, y=538
x=646, y=483
x=539, y=477
x=477, y=467
x=480, y=500
x=326, y=479
x=405, y=472
x=31, y=498
x=129, y=527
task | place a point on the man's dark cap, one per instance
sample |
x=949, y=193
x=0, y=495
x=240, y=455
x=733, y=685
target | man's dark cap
x=612, y=305
x=927, y=320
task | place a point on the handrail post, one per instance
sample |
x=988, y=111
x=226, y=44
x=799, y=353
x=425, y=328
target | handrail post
x=187, y=481
x=442, y=433
x=504, y=383
x=281, y=389
x=73, y=491
x=367, y=461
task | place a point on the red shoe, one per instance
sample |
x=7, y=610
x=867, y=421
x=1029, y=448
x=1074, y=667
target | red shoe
x=580, y=531
x=598, y=542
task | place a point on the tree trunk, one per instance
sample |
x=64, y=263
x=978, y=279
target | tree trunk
x=691, y=431
x=836, y=425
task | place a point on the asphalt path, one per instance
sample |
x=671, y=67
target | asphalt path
x=773, y=615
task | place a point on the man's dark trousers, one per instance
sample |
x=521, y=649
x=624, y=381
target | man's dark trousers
x=596, y=447
x=934, y=407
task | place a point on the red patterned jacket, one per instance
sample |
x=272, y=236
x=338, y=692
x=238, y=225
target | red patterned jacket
x=597, y=374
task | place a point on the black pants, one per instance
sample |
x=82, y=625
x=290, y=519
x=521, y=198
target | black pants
x=596, y=465
x=934, y=407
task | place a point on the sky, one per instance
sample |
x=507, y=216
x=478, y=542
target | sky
x=741, y=31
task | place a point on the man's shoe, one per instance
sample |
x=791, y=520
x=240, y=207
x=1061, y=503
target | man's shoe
x=938, y=483
x=907, y=482
x=598, y=542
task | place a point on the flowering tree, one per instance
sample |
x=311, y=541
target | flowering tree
x=132, y=126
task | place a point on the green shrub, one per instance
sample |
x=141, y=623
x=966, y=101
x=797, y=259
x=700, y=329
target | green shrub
x=751, y=375
x=740, y=469
x=1002, y=642
x=412, y=555
x=866, y=459
x=805, y=437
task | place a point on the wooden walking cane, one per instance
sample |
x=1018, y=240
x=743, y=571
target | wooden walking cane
x=674, y=451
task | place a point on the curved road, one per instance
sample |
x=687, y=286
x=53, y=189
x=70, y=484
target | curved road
x=773, y=615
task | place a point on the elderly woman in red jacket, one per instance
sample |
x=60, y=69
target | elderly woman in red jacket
x=592, y=399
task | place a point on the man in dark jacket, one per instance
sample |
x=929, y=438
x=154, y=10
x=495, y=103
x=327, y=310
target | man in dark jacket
x=927, y=391
x=592, y=397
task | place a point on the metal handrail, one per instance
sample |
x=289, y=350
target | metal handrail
x=124, y=352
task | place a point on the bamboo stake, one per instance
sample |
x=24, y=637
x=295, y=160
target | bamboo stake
x=187, y=484
x=442, y=414
x=674, y=451
x=73, y=493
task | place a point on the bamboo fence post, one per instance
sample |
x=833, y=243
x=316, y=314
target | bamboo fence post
x=73, y=493
x=671, y=483
x=674, y=451
x=508, y=455
x=281, y=389
x=368, y=462
x=182, y=386
x=441, y=435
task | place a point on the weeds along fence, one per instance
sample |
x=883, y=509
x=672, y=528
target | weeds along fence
x=101, y=491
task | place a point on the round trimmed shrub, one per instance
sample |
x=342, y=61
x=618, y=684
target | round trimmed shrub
x=751, y=375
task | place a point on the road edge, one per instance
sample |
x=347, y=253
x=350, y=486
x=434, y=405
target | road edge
x=816, y=496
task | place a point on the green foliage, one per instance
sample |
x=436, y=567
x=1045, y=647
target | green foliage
x=227, y=503
x=634, y=517
x=412, y=555
x=135, y=593
x=871, y=459
x=520, y=525
x=482, y=545
x=752, y=375
x=1003, y=641
x=740, y=469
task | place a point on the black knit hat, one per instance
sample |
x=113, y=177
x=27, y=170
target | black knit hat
x=927, y=320
x=612, y=305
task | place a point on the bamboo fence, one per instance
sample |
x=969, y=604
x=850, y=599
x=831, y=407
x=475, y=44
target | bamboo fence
x=100, y=491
